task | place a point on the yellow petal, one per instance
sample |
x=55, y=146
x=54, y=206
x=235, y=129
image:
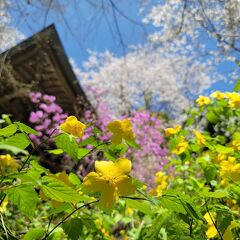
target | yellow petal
x=211, y=232
x=3, y=206
x=117, y=138
x=73, y=126
x=129, y=135
x=108, y=197
x=124, y=185
x=115, y=126
x=111, y=170
x=94, y=182
x=228, y=234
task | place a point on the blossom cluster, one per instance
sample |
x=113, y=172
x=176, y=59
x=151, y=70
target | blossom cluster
x=48, y=115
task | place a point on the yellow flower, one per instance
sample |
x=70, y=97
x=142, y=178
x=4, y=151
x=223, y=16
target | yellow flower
x=218, y=95
x=128, y=211
x=73, y=126
x=121, y=129
x=7, y=163
x=210, y=218
x=230, y=168
x=181, y=147
x=235, y=144
x=212, y=231
x=3, y=206
x=111, y=180
x=161, y=181
x=202, y=100
x=234, y=99
x=219, y=158
x=200, y=138
x=172, y=131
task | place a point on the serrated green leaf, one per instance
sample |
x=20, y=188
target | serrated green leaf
x=64, y=207
x=24, y=197
x=140, y=205
x=212, y=117
x=82, y=152
x=73, y=228
x=223, y=219
x=133, y=144
x=210, y=172
x=223, y=149
x=157, y=224
x=68, y=144
x=59, y=191
x=18, y=140
x=24, y=128
x=172, y=203
x=190, y=209
x=216, y=194
x=74, y=179
x=34, y=234
x=89, y=141
x=14, y=150
x=8, y=131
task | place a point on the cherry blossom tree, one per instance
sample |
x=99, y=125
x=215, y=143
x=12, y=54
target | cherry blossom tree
x=180, y=60
x=9, y=35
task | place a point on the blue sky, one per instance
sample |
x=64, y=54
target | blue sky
x=84, y=28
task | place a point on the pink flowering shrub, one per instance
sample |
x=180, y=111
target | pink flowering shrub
x=152, y=156
x=48, y=115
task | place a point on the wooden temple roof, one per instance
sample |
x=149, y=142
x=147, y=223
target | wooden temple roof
x=38, y=64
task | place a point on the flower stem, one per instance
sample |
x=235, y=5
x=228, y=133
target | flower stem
x=69, y=215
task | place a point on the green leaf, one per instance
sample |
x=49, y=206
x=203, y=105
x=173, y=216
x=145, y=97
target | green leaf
x=133, y=144
x=82, y=152
x=97, y=130
x=74, y=179
x=189, y=121
x=172, y=203
x=89, y=141
x=57, y=190
x=216, y=194
x=190, y=209
x=237, y=86
x=14, y=150
x=56, y=151
x=68, y=144
x=24, y=128
x=73, y=228
x=212, y=117
x=140, y=205
x=223, y=220
x=8, y=131
x=223, y=149
x=210, y=172
x=62, y=208
x=19, y=140
x=24, y=197
x=34, y=234
x=157, y=224
x=7, y=119
x=236, y=190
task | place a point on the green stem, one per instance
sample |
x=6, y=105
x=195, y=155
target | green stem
x=35, y=149
x=136, y=198
x=69, y=215
x=91, y=151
